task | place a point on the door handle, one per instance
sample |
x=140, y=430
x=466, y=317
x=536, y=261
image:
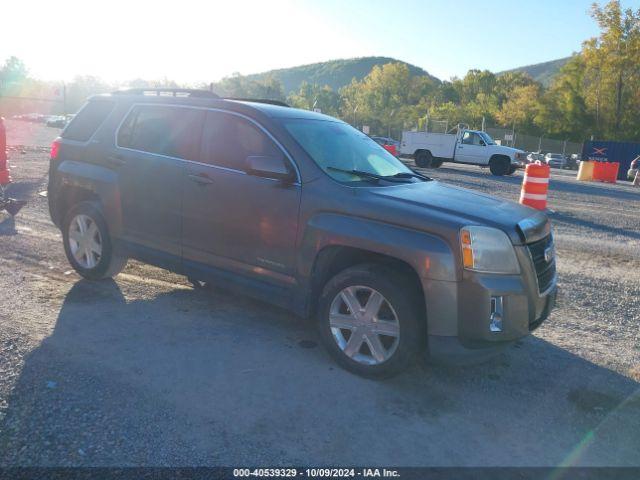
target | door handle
x=202, y=179
x=116, y=160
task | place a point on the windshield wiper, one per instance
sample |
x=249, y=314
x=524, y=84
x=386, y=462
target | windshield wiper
x=363, y=174
x=411, y=174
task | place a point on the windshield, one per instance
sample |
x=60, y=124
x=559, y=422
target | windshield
x=487, y=138
x=336, y=145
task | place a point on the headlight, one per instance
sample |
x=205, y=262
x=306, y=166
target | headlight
x=488, y=250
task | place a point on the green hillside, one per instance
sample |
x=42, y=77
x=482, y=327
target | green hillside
x=542, y=72
x=335, y=73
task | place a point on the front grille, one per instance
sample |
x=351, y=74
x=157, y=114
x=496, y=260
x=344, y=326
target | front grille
x=545, y=271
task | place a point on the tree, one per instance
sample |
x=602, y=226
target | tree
x=563, y=109
x=384, y=98
x=520, y=107
x=312, y=96
x=13, y=72
x=239, y=86
x=612, y=68
x=82, y=87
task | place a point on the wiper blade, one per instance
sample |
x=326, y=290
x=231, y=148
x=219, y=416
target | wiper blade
x=362, y=173
x=411, y=174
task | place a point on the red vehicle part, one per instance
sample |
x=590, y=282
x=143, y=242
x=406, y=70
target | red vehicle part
x=391, y=149
x=11, y=205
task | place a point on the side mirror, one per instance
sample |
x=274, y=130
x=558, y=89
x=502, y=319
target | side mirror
x=269, y=166
x=482, y=143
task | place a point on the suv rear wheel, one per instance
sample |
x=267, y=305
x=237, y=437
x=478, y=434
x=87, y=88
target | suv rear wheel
x=369, y=321
x=87, y=243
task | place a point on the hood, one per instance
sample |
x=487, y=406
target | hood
x=469, y=208
x=510, y=149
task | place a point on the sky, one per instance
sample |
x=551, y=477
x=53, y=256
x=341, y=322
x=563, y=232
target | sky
x=201, y=41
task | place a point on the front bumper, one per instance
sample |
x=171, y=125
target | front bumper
x=460, y=328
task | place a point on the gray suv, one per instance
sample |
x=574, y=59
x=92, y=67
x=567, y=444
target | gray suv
x=303, y=211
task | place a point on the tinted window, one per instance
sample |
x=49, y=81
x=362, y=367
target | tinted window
x=85, y=123
x=229, y=139
x=338, y=145
x=171, y=131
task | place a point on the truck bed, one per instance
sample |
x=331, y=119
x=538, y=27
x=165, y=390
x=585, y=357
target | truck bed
x=440, y=145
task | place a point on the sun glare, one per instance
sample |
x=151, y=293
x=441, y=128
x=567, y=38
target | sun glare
x=188, y=41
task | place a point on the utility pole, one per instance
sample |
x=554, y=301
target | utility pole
x=482, y=123
x=354, y=115
x=390, y=117
x=64, y=99
x=540, y=144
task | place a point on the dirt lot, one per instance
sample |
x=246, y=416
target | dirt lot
x=144, y=370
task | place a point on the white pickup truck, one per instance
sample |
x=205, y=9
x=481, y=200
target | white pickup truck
x=465, y=146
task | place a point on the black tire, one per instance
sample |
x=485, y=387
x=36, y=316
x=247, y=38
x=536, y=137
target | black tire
x=436, y=163
x=512, y=169
x=424, y=159
x=109, y=263
x=499, y=166
x=400, y=295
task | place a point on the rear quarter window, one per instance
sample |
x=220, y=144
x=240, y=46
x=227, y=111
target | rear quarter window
x=87, y=121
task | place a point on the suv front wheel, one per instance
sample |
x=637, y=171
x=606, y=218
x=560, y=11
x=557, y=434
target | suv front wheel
x=87, y=243
x=369, y=320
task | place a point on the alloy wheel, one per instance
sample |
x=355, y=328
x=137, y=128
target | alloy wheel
x=364, y=325
x=85, y=241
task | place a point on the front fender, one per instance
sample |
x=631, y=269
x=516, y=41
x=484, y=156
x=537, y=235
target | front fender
x=505, y=151
x=100, y=181
x=428, y=254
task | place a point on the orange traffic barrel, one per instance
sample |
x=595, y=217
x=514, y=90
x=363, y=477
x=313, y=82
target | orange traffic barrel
x=535, y=185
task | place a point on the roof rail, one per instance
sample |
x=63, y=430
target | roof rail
x=167, y=92
x=260, y=100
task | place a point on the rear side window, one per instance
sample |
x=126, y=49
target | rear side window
x=87, y=121
x=170, y=131
x=228, y=140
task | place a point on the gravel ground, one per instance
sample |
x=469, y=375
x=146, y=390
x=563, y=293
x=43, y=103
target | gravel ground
x=144, y=370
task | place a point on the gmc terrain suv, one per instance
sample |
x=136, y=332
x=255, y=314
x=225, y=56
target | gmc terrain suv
x=301, y=210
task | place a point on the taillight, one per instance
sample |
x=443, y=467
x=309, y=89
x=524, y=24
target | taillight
x=55, y=148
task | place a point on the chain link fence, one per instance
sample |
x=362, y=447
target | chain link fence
x=531, y=143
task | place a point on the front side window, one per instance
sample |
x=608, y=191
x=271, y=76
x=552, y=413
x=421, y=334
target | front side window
x=471, y=138
x=170, y=131
x=337, y=146
x=228, y=140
